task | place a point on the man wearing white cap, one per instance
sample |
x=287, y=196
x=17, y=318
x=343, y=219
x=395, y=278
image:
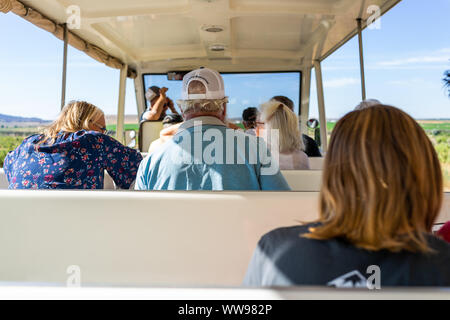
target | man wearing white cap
x=205, y=154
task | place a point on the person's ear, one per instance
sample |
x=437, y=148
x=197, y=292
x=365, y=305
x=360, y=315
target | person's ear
x=224, y=114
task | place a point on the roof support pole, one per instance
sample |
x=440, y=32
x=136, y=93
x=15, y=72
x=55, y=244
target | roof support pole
x=321, y=104
x=304, y=103
x=140, y=98
x=120, y=128
x=361, y=59
x=64, y=74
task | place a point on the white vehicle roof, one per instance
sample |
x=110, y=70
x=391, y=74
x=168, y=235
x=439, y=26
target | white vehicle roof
x=258, y=35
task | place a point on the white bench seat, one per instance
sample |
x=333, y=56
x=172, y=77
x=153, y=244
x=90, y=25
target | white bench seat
x=142, y=238
x=3, y=180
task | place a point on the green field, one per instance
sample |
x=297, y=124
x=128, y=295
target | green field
x=438, y=131
x=112, y=127
x=428, y=126
x=7, y=144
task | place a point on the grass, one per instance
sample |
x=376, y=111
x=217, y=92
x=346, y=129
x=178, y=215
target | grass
x=112, y=127
x=438, y=131
x=7, y=144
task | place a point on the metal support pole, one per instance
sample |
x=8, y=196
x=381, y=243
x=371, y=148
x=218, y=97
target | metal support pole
x=321, y=104
x=140, y=99
x=120, y=129
x=361, y=59
x=304, y=104
x=64, y=74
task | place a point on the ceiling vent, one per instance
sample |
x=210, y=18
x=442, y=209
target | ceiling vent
x=213, y=29
x=217, y=48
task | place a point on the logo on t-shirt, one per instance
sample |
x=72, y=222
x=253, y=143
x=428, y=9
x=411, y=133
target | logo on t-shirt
x=352, y=279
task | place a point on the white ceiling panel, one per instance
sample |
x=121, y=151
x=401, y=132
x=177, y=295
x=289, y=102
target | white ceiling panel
x=162, y=35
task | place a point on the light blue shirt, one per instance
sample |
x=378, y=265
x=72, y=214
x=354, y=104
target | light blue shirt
x=206, y=155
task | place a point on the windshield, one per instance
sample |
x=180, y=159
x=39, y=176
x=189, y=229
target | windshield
x=244, y=90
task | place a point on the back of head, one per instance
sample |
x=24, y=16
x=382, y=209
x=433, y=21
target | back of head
x=277, y=116
x=367, y=104
x=250, y=114
x=382, y=182
x=211, y=80
x=285, y=100
x=75, y=116
x=172, y=119
x=152, y=93
x=203, y=92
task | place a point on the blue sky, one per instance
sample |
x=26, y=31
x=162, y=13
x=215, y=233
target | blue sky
x=405, y=61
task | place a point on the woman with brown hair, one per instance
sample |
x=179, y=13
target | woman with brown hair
x=382, y=192
x=72, y=153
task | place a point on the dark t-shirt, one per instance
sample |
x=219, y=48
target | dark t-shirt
x=311, y=147
x=284, y=258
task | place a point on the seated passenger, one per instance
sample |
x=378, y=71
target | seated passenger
x=277, y=116
x=382, y=192
x=72, y=153
x=159, y=103
x=171, y=123
x=205, y=154
x=311, y=147
x=249, y=117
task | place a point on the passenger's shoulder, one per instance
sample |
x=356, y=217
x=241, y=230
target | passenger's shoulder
x=308, y=139
x=91, y=136
x=147, y=159
x=302, y=154
x=30, y=141
x=86, y=133
x=440, y=246
x=252, y=138
x=282, y=235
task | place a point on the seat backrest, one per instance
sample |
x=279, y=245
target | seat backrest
x=140, y=238
x=303, y=180
x=316, y=163
x=130, y=138
x=143, y=238
x=148, y=132
x=3, y=180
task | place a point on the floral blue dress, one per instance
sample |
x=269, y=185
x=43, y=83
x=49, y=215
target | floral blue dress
x=75, y=161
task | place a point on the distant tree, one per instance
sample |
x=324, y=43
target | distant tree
x=447, y=81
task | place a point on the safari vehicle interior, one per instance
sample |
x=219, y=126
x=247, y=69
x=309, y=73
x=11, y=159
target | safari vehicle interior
x=174, y=239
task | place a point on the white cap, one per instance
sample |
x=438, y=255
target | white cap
x=211, y=79
x=152, y=93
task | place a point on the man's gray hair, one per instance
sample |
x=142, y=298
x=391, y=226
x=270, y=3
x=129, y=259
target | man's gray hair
x=199, y=106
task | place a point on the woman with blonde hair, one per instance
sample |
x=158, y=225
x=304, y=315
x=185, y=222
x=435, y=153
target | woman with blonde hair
x=382, y=192
x=72, y=153
x=289, y=145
